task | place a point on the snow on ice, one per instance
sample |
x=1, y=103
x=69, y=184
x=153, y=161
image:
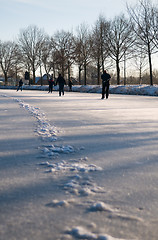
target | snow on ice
x=114, y=89
x=49, y=132
x=62, y=203
x=76, y=167
x=77, y=184
x=82, y=233
x=120, y=89
x=101, y=206
x=44, y=129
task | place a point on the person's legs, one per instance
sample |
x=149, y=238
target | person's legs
x=59, y=90
x=107, y=91
x=103, y=91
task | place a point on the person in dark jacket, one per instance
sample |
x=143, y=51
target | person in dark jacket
x=20, y=85
x=51, y=84
x=70, y=85
x=61, y=81
x=105, y=84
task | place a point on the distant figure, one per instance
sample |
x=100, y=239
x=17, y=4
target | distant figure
x=51, y=83
x=20, y=85
x=105, y=84
x=70, y=85
x=61, y=81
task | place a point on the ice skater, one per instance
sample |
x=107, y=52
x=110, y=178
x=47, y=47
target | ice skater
x=20, y=85
x=70, y=85
x=51, y=84
x=105, y=84
x=61, y=81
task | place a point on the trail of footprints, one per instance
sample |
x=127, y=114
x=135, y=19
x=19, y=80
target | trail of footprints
x=80, y=183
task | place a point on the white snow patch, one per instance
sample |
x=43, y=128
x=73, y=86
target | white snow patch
x=4, y=95
x=61, y=203
x=55, y=150
x=45, y=164
x=44, y=129
x=77, y=184
x=120, y=89
x=76, y=167
x=108, y=237
x=82, y=148
x=101, y=206
x=82, y=187
x=48, y=153
x=82, y=233
x=84, y=159
x=62, y=149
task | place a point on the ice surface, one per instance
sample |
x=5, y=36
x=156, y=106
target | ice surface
x=113, y=181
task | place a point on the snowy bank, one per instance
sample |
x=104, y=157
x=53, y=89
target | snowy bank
x=120, y=89
x=114, y=89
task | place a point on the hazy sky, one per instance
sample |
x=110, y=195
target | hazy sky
x=53, y=15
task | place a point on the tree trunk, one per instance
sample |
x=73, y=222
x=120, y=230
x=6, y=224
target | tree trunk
x=54, y=72
x=79, y=74
x=41, y=75
x=6, y=78
x=140, y=76
x=34, y=76
x=98, y=72
x=16, y=76
x=150, y=65
x=102, y=62
x=85, y=74
x=62, y=69
x=118, y=72
x=68, y=71
x=124, y=69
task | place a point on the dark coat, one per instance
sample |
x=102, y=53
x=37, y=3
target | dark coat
x=20, y=83
x=51, y=82
x=61, y=81
x=105, y=78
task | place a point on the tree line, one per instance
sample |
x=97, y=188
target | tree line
x=107, y=44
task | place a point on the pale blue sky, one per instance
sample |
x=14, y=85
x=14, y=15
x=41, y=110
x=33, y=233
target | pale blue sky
x=53, y=15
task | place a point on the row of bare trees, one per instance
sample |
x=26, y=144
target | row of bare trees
x=105, y=45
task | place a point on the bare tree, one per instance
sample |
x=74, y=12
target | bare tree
x=84, y=45
x=119, y=41
x=17, y=67
x=7, y=57
x=63, y=47
x=78, y=57
x=155, y=24
x=31, y=41
x=143, y=15
x=99, y=48
x=140, y=62
x=46, y=58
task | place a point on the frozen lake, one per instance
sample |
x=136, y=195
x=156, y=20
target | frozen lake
x=78, y=167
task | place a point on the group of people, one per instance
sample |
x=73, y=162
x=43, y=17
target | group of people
x=61, y=82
